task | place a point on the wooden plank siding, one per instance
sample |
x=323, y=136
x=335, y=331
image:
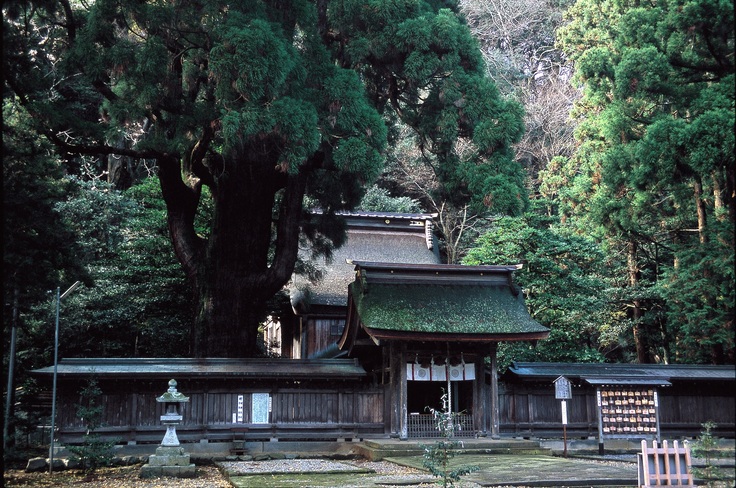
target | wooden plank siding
x=323, y=333
x=296, y=413
x=341, y=409
x=532, y=410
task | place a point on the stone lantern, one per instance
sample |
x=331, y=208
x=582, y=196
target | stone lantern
x=170, y=458
x=172, y=417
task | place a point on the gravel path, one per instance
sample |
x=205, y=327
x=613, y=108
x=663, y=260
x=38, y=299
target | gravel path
x=286, y=466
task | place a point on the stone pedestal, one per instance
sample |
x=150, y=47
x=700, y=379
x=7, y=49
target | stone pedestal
x=168, y=461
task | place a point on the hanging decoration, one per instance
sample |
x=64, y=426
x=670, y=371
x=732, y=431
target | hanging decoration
x=463, y=371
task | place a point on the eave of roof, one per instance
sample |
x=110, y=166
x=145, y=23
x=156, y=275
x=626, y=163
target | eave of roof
x=625, y=381
x=669, y=372
x=347, y=369
x=435, y=269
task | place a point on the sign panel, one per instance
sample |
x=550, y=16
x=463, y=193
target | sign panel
x=260, y=407
x=563, y=389
x=439, y=372
x=240, y=409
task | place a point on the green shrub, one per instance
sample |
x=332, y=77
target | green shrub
x=94, y=452
x=438, y=456
x=706, y=447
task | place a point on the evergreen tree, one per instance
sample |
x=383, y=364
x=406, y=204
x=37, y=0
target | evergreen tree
x=140, y=305
x=264, y=103
x=40, y=252
x=564, y=287
x=655, y=168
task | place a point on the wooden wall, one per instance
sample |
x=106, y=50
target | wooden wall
x=532, y=410
x=325, y=412
x=322, y=333
x=336, y=409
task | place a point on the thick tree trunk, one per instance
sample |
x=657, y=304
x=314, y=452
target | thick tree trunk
x=239, y=267
x=701, y=212
x=233, y=281
x=635, y=312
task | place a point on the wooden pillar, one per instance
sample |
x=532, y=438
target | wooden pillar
x=495, y=428
x=403, y=395
x=397, y=365
x=480, y=396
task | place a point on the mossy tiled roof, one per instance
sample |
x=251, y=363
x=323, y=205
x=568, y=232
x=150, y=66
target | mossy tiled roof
x=371, y=236
x=444, y=309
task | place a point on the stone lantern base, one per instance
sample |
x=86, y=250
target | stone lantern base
x=168, y=461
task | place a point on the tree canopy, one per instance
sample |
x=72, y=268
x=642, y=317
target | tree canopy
x=264, y=103
x=654, y=173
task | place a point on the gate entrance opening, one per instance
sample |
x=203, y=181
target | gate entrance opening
x=423, y=394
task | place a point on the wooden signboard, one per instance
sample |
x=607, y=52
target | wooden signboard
x=563, y=388
x=260, y=408
x=628, y=412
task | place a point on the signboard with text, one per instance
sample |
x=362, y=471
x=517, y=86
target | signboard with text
x=563, y=388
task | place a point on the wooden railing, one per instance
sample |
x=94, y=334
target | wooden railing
x=664, y=465
x=424, y=425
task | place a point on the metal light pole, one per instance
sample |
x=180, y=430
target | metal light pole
x=11, y=366
x=56, y=363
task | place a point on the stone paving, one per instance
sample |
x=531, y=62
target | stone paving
x=516, y=470
x=495, y=471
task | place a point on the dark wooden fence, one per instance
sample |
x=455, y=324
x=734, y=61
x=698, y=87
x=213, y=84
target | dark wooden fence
x=532, y=410
x=295, y=414
x=345, y=411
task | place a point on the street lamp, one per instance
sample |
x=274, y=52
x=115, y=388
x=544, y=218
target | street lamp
x=56, y=362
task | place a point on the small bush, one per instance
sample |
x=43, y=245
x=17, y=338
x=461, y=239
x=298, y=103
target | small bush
x=94, y=452
x=437, y=457
x=706, y=447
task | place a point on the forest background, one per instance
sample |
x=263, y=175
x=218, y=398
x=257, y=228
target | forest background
x=591, y=141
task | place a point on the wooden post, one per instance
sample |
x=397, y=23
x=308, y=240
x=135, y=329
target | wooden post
x=394, y=388
x=601, y=448
x=403, y=427
x=563, y=406
x=480, y=395
x=495, y=429
x=399, y=426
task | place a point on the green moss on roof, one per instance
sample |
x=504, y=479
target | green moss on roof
x=454, y=309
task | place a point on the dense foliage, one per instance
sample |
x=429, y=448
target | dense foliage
x=653, y=176
x=564, y=287
x=264, y=103
x=140, y=304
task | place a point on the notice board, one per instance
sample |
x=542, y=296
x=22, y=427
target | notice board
x=628, y=412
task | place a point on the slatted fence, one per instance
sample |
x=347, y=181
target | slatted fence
x=425, y=425
x=665, y=465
